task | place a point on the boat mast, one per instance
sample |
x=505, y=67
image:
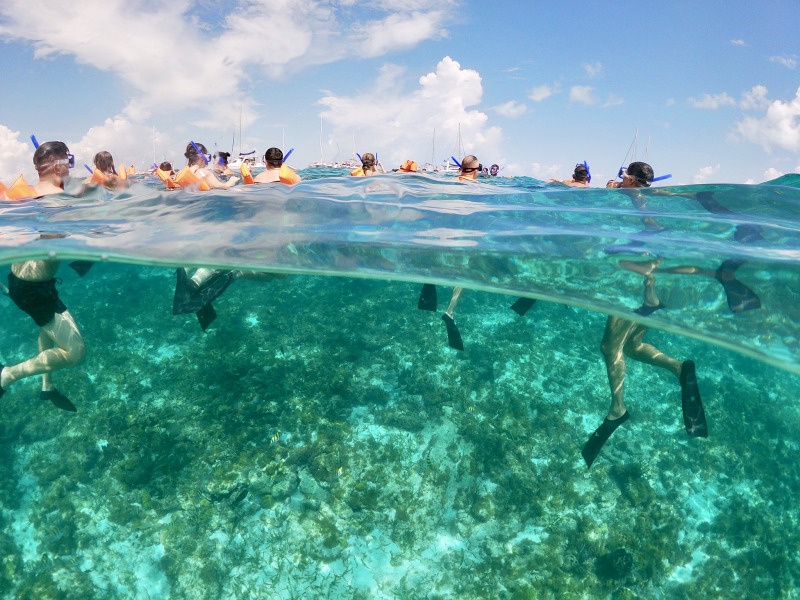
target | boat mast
x=240, y=129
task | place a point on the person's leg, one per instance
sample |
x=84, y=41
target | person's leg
x=61, y=345
x=615, y=336
x=259, y=275
x=454, y=299
x=636, y=348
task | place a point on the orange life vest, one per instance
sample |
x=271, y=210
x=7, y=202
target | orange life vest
x=131, y=170
x=288, y=176
x=359, y=172
x=3, y=189
x=247, y=175
x=98, y=178
x=20, y=189
x=164, y=176
x=122, y=172
x=186, y=178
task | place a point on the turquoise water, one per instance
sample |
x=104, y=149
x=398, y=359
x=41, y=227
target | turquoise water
x=321, y=439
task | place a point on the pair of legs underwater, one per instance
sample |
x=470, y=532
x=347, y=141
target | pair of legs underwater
x=623, y=338
x=195, y=294
x=60, y=343
x=428, y=301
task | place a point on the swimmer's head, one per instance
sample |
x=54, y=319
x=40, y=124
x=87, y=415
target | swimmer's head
x=105, y=162
x=580, y=173
x=641, y=173
x=165, y=166
x=368, y=159
x=469, y=164
x=273, y=157
x=49, y=152
x=494, y=169
x=193, y=156
x=222, y=158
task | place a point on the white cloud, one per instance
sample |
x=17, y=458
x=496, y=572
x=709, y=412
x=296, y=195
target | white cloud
x=173, y=60
x=703, y=175
x=15, y=157
x=712, y=102
x=738, y=43
x=511, y=109
x=613, y=100
x=593, y=70
x=779, y=127
x=582, y=94
x=542, y=92
x=396, y=122
x=772, y=173
x=755, y=99
x=545, y=172
x=790, y=62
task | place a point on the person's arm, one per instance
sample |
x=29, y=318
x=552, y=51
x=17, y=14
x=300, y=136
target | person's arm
x=213, y=182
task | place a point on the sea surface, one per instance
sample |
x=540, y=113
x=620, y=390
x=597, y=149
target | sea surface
x=321, y=439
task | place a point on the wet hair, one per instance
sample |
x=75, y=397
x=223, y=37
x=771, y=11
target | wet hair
x=470, y=163
x=223, y=158
x=47, y=151
x=191, y=153
x=641, y=172
x=368, y=159
x=273, y=157
x=105, y=162
x=165, y=166
x=580, y=174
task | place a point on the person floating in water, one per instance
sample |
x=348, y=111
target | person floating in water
x=197, y=172
x=369, y=166
x=105, y=173
x=470, y=167
x=581, y=177
x=276, y=171
x=32, y=287
x=626, y=338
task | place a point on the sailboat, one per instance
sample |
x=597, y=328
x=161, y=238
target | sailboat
x=430, y=167
x=321, y=162
x=244, y=157
x=459, y=153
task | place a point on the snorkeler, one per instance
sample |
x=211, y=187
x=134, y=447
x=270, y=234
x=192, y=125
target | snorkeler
x=198, y=173
x=469, y=169
x=105, y=173
x=626, y=338
x=32, y=287
x=368, y=166
x=275, y=171
x=581, y=177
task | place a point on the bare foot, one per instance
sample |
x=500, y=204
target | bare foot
x=643, y=268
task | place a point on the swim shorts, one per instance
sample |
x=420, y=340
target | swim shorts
x=37, y=298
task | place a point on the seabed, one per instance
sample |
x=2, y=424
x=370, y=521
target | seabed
x=321, y=440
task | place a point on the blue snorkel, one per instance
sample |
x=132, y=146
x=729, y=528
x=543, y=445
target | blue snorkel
x=662, y=177
x=202, y=154
x=34, y=142
x=588, y=172
x=88, y=168
x=458, y=164
x=288, y=154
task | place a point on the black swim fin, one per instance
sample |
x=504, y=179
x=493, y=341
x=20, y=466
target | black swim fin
x=740, y=297
x=427, y=298
x=206, y=316
x=523, y=305
x=58, y=399
x=694, y=417
x=453, y=335
x=81, y=267
x=595, y=443
x=189, y=297
x=646, y=310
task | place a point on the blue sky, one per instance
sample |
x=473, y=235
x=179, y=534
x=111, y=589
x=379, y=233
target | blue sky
x=713, y=88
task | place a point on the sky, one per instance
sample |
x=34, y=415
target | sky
x=707, y=91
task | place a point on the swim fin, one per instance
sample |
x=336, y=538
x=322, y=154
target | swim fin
x=523, y=305
x=694, y=417
x=81, y=267
x=595, y=443
x=189, y=297
x=740, y=297
x=206, y=316
x=646, y=310
x=58, y=399
x=453, y=335
x=427, y=298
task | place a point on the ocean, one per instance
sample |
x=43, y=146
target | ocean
x=321, y=439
